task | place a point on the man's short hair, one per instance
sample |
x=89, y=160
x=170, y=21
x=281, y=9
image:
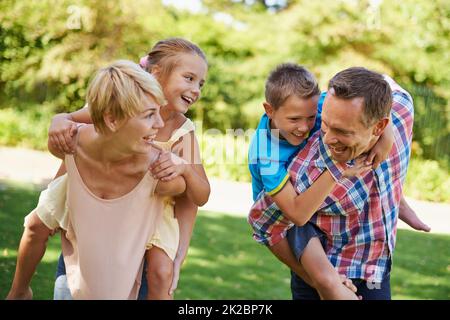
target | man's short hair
x=290, y=79
x=358, y=82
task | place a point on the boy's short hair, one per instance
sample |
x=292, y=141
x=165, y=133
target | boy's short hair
x=120, y=90
x=290, y=79
x=359, y=82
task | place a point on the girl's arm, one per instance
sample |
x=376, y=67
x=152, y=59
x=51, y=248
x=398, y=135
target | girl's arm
x=299, y=208
x=173, y=187
x=64, y=127
x=185, y=212
x=189, y=165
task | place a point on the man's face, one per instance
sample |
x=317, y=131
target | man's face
x=295, y=118
x=343, y=130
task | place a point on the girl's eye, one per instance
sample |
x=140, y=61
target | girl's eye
x=189, y=78
x=148, y=116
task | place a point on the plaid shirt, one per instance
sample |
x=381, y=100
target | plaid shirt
x=359, y=217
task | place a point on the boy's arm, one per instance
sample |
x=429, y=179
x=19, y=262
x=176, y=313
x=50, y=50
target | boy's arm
x=185, y=212
x=64, y=127
x=31, y=250
x=172, y=187
x=299, y=208
x=380, y=151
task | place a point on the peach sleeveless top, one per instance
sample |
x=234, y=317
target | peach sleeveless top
x=105, y=241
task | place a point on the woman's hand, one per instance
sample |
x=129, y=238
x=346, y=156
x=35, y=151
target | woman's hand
x=168, y=166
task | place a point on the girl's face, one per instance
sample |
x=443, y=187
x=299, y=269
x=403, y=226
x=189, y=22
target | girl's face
x=183, y=85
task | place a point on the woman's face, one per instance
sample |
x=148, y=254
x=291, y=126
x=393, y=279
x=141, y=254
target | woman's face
x=182, y=87
x=138, y=132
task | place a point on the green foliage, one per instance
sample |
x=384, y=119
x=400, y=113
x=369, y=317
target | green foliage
x=50, y=50
x=426, y=180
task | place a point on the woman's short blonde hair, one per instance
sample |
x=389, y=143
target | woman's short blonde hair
x=120, y=90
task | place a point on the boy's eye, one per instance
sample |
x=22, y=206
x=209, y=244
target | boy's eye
x=189, y=78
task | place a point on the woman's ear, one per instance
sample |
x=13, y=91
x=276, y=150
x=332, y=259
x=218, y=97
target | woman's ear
x=110, y=122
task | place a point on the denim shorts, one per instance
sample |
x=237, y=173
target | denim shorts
x=299, y=237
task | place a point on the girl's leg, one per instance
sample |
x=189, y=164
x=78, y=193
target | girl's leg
x=31, y=250
x=324, y=277
x=159, y=274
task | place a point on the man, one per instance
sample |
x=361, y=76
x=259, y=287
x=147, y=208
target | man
x=359, y=217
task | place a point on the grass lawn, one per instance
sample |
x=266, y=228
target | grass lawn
x=225, y=263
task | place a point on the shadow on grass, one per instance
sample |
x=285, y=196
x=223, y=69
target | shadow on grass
x=224, y=262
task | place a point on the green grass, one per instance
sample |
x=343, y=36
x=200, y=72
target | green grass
x=225, y=263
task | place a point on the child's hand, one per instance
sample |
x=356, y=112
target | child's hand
x=61, y=134
x=380, y=151
x=348, y=283
x=168, y=166
x=358, y=168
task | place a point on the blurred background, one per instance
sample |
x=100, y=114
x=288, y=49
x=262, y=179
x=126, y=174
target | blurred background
x=49, y=51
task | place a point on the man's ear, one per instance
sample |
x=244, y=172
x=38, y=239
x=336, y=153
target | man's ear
x=380, y=126
x=111, y=122
x=269, y=109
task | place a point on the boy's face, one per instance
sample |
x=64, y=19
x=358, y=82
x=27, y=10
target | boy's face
x=295, y=118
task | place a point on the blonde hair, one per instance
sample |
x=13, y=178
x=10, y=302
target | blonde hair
x=120, y=90
x=165, y=52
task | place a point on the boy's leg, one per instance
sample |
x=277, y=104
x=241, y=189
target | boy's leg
x=31, y=250
x=283, y=252
x=407, y=215
x=159, y=274
x=322, y=273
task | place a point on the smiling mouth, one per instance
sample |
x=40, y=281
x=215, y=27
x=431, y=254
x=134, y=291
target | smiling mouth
x=188, y=100
x=299, y=135
x=338, y=150
x=149, y=139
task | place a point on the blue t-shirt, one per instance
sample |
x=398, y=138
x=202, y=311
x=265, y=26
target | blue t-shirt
x=269, y=157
